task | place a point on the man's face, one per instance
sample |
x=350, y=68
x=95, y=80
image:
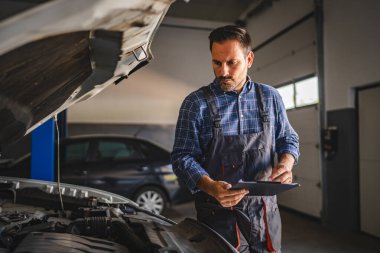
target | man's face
x=230, y=63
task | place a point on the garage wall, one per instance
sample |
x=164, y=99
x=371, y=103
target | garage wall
x=289, y=56
x=278, y=17
x=351, y=44
x=154, y=94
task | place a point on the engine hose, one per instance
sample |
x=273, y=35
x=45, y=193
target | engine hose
x=99, y=226
x=128, y=237
x=105, y=227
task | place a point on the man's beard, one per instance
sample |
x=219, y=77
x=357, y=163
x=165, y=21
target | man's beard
x=230, y=85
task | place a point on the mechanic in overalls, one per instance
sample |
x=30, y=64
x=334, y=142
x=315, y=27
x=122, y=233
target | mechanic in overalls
x=230, y=130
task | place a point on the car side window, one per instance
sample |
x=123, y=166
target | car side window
x=76, y=152
x=152, y=152
x=118, y=150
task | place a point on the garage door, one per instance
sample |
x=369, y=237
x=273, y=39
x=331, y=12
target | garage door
x=308, y=198
x=369, y=160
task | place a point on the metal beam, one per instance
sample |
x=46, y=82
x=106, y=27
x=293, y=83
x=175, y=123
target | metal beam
x=318, y=5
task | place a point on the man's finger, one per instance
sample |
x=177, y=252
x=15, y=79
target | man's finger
x=225, y=185
x=283, y=178
x=280, y=178
x=275, y=174
x=231, y=201
x=236, y=192
x=278, y=171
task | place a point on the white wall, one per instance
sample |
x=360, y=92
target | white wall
x=154, y=94
x=290, y=56
x=351, y=44
x=278, y=17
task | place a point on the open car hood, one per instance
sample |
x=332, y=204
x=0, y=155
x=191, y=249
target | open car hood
x=32, y=219
x=54, y=53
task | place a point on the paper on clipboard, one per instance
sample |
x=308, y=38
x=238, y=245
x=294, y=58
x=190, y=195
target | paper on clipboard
x=264, y=188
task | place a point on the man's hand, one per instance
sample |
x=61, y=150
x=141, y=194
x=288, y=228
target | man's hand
x=283, y=171
x=220, y=190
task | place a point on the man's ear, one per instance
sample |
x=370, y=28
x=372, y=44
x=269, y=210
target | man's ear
x=250, y=58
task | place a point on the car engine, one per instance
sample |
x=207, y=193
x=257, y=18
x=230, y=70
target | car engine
x=32, y=219
x=103, y=229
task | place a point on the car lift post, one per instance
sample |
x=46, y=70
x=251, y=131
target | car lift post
x=42, y=162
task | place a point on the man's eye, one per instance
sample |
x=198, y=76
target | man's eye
x=234, y=62
x=217, y=63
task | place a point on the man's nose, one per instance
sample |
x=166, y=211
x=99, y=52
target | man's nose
x=224, y=70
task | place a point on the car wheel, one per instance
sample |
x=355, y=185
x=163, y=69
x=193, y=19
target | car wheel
x=152, y=199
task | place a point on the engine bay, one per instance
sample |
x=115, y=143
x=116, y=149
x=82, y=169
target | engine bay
x=35, y=218
x=99, y=229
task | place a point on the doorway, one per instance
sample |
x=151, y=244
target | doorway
x=368, y=102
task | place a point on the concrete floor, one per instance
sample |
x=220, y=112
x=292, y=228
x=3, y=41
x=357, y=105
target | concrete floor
x=302, y=234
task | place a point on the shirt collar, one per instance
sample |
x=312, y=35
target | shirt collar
x=248, y=85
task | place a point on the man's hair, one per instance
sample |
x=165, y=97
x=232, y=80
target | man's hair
x=231, y=32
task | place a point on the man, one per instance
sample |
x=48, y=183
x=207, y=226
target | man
x=228, y=131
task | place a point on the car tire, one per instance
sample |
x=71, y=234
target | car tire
x=152, y=198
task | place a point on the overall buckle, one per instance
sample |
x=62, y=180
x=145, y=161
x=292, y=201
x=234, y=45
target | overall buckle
x=265, y=117
x=217, y=123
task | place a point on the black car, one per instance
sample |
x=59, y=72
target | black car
x=128, y=166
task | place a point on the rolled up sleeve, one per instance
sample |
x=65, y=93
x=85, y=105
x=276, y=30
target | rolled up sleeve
x=186, y=150
x=286, y=139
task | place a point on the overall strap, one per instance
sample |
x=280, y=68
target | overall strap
x=260, y=99
x=264, y=115
x=214, y=114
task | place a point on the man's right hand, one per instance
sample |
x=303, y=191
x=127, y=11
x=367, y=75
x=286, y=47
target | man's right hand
x=220, y=190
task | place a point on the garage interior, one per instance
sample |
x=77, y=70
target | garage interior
x=330, y=45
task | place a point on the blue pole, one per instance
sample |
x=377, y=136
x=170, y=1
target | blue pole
x=42, y=163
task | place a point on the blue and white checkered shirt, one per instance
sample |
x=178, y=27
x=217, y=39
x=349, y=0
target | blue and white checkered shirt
x=239, y=115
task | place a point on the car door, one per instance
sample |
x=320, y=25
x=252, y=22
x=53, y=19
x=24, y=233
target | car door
x=73, y=158
x=119, y=167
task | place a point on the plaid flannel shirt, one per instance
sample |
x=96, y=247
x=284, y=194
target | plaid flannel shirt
x=239, y=115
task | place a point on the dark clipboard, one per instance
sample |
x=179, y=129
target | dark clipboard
x=264, y=188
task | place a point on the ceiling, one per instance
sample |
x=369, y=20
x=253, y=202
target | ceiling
x=229, y=11
x=218, y=10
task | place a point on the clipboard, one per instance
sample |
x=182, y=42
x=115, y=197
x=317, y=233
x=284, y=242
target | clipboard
x=264, y=188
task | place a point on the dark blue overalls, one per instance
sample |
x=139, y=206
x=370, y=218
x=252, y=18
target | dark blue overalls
x=231, y=158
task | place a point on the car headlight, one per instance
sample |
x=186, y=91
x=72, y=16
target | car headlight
x=165, y=169
x=167, y=172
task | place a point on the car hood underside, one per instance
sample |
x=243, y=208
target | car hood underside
x=56, y=53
